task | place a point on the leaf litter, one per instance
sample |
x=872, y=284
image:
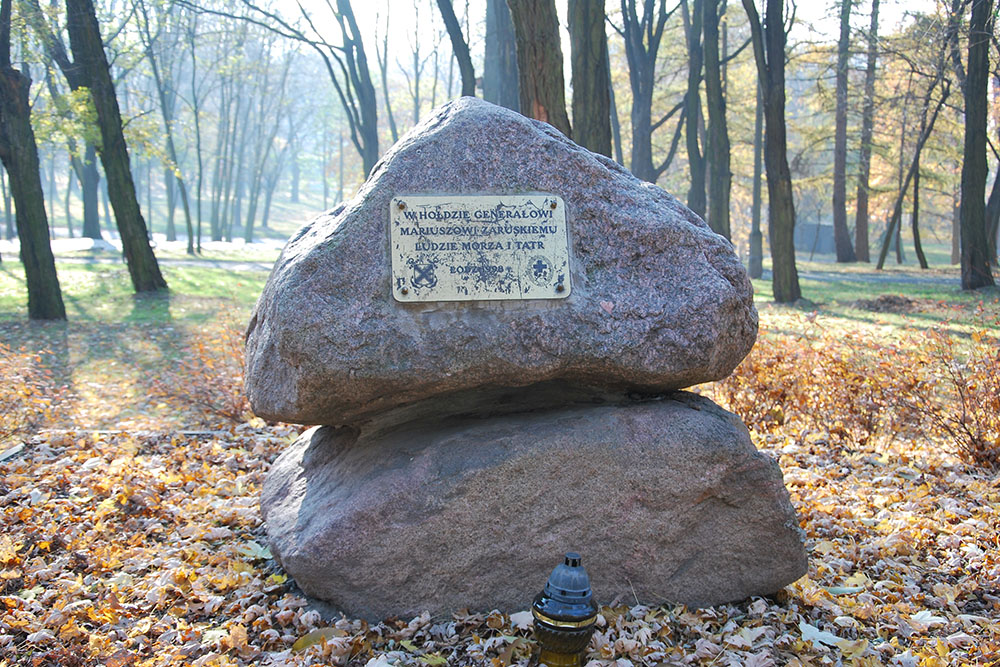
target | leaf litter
x=136, y=547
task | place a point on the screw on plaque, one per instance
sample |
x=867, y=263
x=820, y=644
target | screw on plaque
x=401, y=205
x=560, y=288
x=553, y=204
x=404, y=291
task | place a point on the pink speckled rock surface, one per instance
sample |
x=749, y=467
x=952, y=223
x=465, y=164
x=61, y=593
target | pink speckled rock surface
x=666, y=500
x=659, y=302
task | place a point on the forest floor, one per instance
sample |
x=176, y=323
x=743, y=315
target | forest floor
x=130, y=469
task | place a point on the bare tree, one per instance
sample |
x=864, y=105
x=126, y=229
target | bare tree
x=692, y=105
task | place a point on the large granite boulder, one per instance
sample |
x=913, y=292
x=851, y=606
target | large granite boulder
x=666, y=499
x=658, y=302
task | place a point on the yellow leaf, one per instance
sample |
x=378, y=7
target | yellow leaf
x=315, y=637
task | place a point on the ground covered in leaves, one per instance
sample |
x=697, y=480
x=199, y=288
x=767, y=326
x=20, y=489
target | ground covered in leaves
x=130, y=532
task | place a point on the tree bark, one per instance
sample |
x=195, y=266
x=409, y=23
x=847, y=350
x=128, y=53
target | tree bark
x=915, y=220
x=590, y=75
x=89, y=182
x=756, y=261
x=769, y=53
x=540, y=62
x=861, y=220
x=841, y=237
x=692, y=102
x=89, y=58
x=717, y=146
x=500, y=77
x=976, y=271
x=19, y=154
x=459, y=46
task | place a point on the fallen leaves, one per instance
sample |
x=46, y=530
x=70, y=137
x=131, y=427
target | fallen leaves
x=141, y=547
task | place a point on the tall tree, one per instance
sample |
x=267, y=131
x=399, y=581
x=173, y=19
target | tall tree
x=161, y=83
x=756, y=260
x=769, y=52
x=590, y=76
x=19, y=154
x=89, y=69
x=841, y=237
x=540, y=62
x=717, y=143
x=642, y=36
x=975, y=259
x=692, y=105
x=865, y=156
x=459, y=47
x=500, y=63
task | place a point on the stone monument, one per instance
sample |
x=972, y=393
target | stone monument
x=492, y=336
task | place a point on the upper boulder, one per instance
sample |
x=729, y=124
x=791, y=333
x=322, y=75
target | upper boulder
x=653, y=301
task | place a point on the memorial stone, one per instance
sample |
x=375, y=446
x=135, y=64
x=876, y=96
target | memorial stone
x=492, y=336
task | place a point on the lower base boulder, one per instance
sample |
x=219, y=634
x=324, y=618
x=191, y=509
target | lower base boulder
x=666, y=499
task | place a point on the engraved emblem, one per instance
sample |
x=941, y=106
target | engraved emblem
x=423, y=274
x=540, y=269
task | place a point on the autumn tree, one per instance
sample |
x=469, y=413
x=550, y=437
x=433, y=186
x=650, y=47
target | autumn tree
x=540, y=62
x=19, y=155
x=769, y=53
x=90, y=70
x=590, y=76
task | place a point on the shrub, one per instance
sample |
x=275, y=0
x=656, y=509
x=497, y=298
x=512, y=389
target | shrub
x=208, y=377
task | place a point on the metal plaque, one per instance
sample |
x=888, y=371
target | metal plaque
x=478, y=247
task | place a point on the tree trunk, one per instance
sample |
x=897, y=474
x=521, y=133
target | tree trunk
x=756, y=261
x=460, y=47
x=642, y=37
x=975, y=259
x=590, y=76
x=500, y=64
x=540, y=62
x=89, y=184
x=892, y=229
x=88, y=53
x=382, y=59
x=841, y=237
x=717, y=147
x=861, y=221
x=956, y=226
x=616, y=129
x=8, y=208
x=692, y=102
x=71, y=177
x=769, y=53
x=915, y=220
x=19, y=154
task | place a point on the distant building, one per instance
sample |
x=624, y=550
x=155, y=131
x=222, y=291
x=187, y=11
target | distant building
x=814, y=237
